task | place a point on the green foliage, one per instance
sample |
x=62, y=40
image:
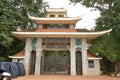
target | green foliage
x=5, y=38
x=14, y=14
x=49, y=53
x=2, y=59
x=6, y=23
x=62, y=53
x=15, y=48
x=106, y=45
x=99, y=4
x=106, y=21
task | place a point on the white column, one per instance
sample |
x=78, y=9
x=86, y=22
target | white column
x=27, y=55
x=84, y=56
x=38, y=56
x=72, y=57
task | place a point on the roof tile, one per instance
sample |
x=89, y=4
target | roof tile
x=55, y=30
x=90, y=55
x=21, y=54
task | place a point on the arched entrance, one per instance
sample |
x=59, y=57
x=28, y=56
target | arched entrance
x=32, y=62
x=56, y=62
x=78, y=63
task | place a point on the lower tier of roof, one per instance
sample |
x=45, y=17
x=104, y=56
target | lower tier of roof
x=22, y=53
x=42, y=34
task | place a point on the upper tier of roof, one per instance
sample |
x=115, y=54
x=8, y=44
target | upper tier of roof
x=55, y=20
x=56, y=10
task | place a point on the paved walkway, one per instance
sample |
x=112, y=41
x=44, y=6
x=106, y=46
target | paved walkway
x=65, y=77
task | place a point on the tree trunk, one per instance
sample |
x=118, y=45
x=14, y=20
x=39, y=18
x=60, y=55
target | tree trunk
x=110, y=8
x=117, y=66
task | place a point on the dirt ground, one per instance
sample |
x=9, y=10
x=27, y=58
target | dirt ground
x=65, y=77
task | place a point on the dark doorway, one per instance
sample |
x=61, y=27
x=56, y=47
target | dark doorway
x=32, y=62
x=78, y=63
x=56, y=62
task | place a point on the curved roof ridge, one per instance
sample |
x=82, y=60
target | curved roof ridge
x=37, y=18
x=87, y=35
x=21, y=55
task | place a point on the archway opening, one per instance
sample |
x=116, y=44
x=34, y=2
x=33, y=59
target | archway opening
x=56, y=62
x=32, y=62
x=78, y=63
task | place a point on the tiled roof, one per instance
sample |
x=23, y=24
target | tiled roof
x=62, y=30
x=55, y=30
x=21, y=54
x=90, y=55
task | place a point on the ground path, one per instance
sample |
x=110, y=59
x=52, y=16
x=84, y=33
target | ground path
x=65, y=77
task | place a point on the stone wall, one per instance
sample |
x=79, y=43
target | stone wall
x=95, y=70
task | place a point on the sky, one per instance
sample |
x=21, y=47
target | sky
x=88, y=16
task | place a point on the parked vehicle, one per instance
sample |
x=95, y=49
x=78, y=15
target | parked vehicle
x=4, y=75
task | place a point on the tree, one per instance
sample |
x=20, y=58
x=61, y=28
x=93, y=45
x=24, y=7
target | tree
x=6, y=23
x=13, y=15
x=106, y=45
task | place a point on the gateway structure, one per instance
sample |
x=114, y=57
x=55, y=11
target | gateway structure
x=56, y=47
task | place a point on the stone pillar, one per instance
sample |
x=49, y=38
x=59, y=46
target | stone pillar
x=38, y=56
x=27, y=55
x=84, y=56
x=72, y=57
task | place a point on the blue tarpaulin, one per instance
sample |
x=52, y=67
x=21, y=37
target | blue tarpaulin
x=21, y=69
x=14, y=68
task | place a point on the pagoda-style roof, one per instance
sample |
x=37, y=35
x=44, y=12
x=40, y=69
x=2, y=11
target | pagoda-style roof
x=62, y=33
x=55, y=30
x=18, y=55
x=55, y=20
x=21, y=55
x=56, y=10
x=91, y=56
x=62, y=30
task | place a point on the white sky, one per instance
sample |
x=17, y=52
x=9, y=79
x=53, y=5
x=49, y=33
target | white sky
x=88, y=16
